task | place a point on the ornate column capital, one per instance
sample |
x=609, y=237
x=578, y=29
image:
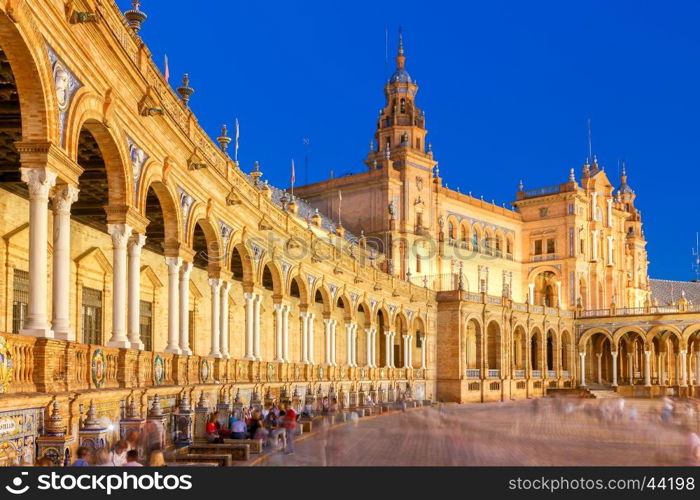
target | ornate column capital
x=39, y=181
x=63, y=197
x=136, y=243
x=120, y=234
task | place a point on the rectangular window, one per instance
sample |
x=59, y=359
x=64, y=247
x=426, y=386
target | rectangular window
x=550, y=245
x=20, y=300
x=146, y=324
x=92, y=316
x=538, y=247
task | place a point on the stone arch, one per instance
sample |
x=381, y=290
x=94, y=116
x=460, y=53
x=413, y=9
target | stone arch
x=585, y=337
x=567, y=351
x=471, y=347
x=499, y=241
x=536, y=341
x=493, y=345
x=541, y=269
x=452, y=227
x=620, y=332
x=206, y=250
x=297, y=280
x=343, y=302
x=270, y=277
x=688, y=332
x=321, y=290
x=366, y=313
x=478, y=235
x=383, y=322
x=465, y=231
x=519, y=346
x=26, y=49
x=240, y=263
x=659, y=329
x=551, y=346
x=167, y=200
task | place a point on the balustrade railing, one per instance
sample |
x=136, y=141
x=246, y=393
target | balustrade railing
x=639, y=311
x=551, y=374
x=536, y=373
x=565, y=373
x=494, y=373
x=519, y=373
x=473, y=373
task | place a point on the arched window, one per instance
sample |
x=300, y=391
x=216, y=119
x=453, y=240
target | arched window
x=451, y=230
x=464, y=234
x=403, y=105
x=475, y=239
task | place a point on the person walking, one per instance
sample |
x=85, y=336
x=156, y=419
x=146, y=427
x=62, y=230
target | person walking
x=290, y=427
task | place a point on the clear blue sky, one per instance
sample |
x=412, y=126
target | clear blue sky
x=507, y=88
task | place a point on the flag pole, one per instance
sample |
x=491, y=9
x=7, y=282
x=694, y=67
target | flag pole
x=293, y=178
x=235, y=152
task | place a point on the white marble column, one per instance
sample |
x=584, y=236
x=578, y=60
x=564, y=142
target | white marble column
x=304, y=317
x=215, y=284
x=333, y=350
x=348, y=343
x=136, y=243
x=406, y=353
x=185, y=271
x=684, y=368
x=423, y=352
x=647, y=368
x=594, y=239
x=614, y=368
x=249, y=325
x=582, y=383
x=531, y=294
x=662, y=370
x=256, y=327
x=610, y=251
x=353, y=346
x=174, y=264
x=120, y=236
x=285, y=333
x=599, y=357
x=39, y=181
x=327, y=323
x=224, y=324
x=279, y=357
x=370, y=342
x=388, y=347
x=310, y=337
x=630, y=367
x=63, y=198
x=609, y=203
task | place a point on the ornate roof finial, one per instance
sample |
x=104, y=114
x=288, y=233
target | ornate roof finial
x=135, y=17
x=586, y=168
x=185, y=91
x=256, y=173
x=224, y=140
x=572, y=175
x=155, y=410
x=521, y=186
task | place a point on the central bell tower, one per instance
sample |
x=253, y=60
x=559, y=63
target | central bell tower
x=400, y=147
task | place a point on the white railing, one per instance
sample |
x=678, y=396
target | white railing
x=494, y=373
x=551, y=374
x=536, y=373
x=565, y=373
x=519, y=373
x=473, y=373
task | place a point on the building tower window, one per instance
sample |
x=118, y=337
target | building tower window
x=146, y=324
x=92, y=316
x=20, y=300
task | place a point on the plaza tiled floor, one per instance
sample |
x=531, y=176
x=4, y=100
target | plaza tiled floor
x=512, y=433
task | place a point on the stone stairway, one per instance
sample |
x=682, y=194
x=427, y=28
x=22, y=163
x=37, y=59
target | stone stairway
x=600, y=391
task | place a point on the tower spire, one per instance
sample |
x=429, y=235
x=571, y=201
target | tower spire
x=400, y=58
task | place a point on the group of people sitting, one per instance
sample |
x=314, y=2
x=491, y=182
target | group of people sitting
x=135, y=450
x=275, y=425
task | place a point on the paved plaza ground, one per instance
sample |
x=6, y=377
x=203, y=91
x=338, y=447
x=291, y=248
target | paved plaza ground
x=518, y=433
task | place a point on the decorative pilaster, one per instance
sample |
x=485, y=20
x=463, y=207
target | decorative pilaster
x=333, y=326
x=39, y=181
x=185, y=271
x=423, y=352
x=136, y=243
x=583, y=369
x=599, y=357
x=684, y=368
x=215, y=284
x=614, y=368
x=120, y=237
x=63, y=198
x=348, y=343
x=405, y=351
x=328, y=324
